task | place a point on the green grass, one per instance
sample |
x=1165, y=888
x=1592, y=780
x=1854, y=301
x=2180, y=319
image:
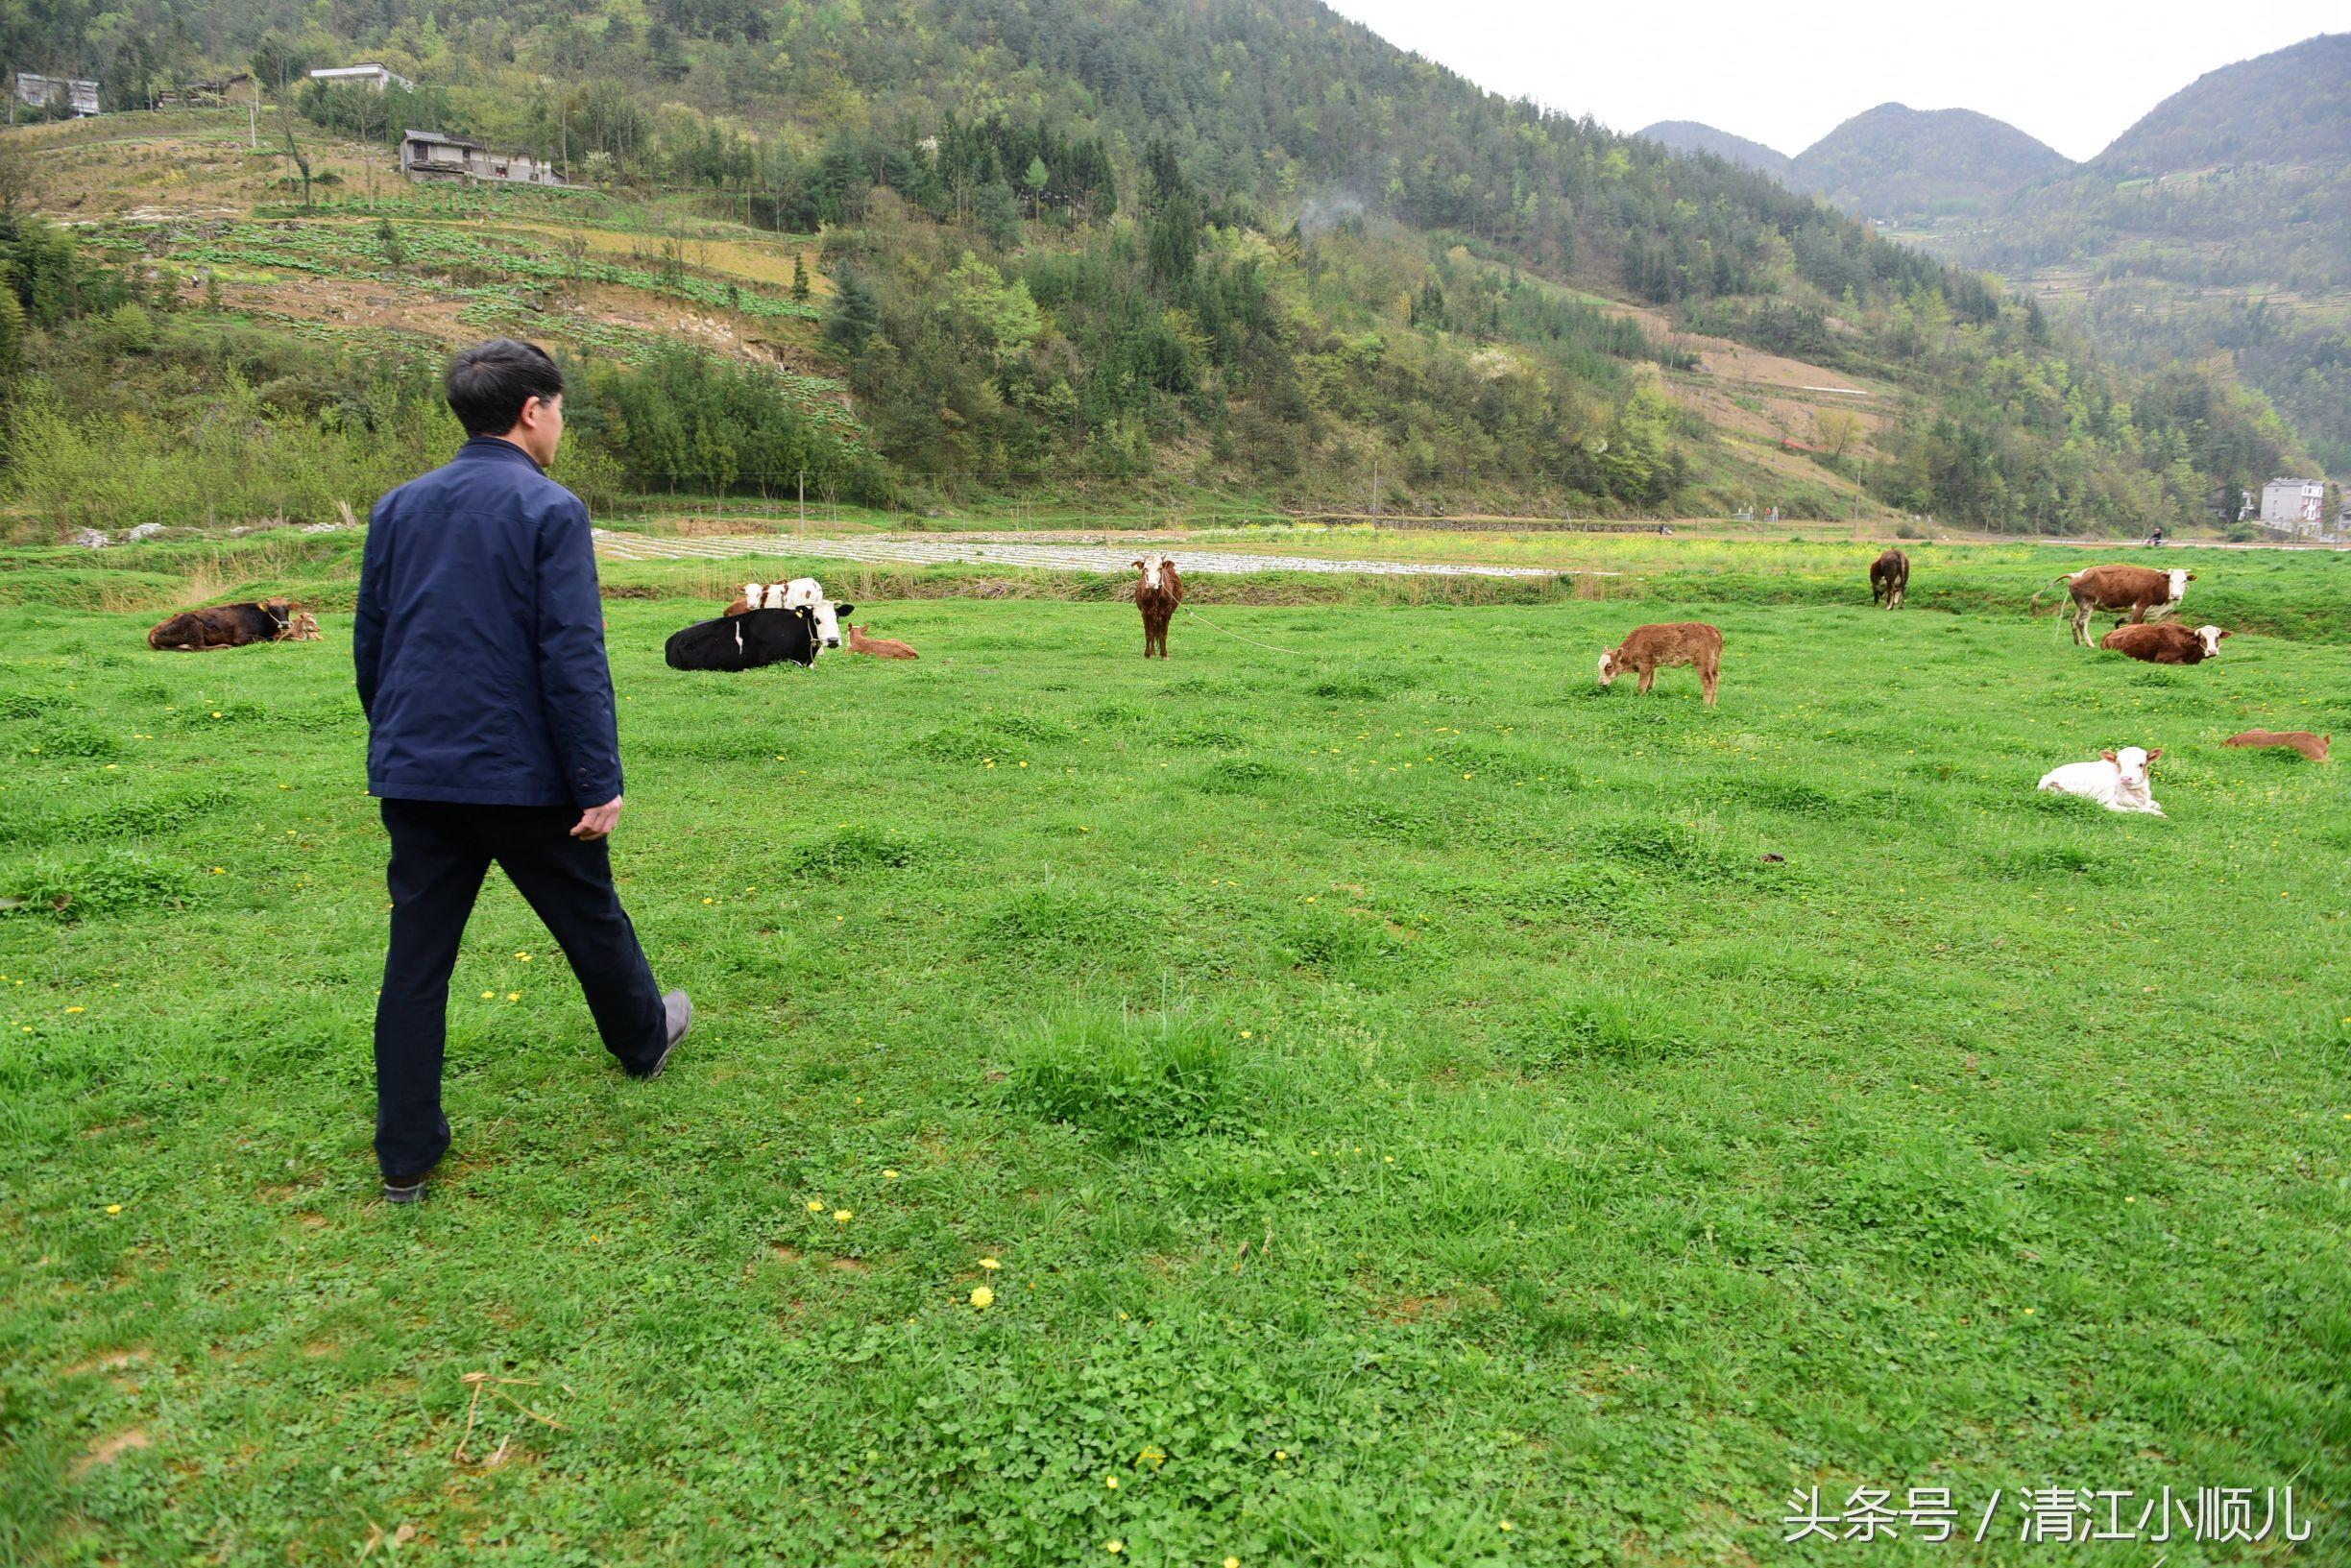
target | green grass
x=1400, y=1095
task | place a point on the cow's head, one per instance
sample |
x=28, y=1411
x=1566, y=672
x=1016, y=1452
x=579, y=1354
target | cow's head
x=2210, y=636
x=754, y=596
x=2180, y=577
x=1152, y=566
x=278, y=612
x=1609, y=667
x=2131, y=762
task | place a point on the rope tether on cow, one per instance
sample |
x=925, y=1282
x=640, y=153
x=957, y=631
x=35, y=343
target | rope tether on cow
x=1238, y=638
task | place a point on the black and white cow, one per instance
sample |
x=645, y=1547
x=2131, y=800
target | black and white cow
x=750, y=640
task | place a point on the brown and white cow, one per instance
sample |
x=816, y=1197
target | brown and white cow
x=2167, y=644
x=1890, y=579
x=2144, y=591
x=1649, y=649
x=222, y=626
x=2313, y=746
x=1158, y=591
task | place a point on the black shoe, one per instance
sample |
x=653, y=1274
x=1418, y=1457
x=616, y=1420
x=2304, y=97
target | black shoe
x=678, y=1007
x=404, y=1191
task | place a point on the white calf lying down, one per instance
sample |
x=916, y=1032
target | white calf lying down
x=2118, y=780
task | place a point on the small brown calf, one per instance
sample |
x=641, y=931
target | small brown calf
x=2313, y=746
x=880, y=648
x=1649, y=649
x=1890, y=578
x=301, y=628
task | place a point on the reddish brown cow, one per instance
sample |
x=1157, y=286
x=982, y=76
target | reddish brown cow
x=221, y=626
x=1649, y=649
x=2143, y=591
x=880, y=648
x=1890, y=578
x=2166, y=643
x=2313, y=746
x=1158, y=591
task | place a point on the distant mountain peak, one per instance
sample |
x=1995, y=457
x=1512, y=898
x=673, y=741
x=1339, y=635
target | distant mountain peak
x=1896, y=161
x=1694, y=137
x=2291, y=106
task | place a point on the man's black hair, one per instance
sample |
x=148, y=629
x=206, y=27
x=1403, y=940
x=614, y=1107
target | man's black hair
x=489, y=383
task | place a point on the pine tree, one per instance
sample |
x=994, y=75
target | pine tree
x=800, y=282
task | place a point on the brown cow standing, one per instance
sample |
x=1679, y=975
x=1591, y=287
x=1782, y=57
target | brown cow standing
x=880, y=648
x=2313, y=746
x=1890, y=578
x=2166, y=643
x=2143, y=591
x=1649, y=649
x=221, y=626
x=1158, y=591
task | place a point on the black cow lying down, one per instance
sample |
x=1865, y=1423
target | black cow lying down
x=750, y=640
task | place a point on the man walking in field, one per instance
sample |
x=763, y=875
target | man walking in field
x=479, y=642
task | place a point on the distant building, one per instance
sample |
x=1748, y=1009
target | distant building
x=2296, y=505
x=368, y=74
x=428, y=157
x=72, y=93
x=204, y=94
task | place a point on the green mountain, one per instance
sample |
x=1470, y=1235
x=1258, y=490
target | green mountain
x=1181, y=247
x=1691, y=136
x=1898, y=163
x=2218, y=225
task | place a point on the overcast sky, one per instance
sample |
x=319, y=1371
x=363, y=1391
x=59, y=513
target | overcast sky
x=2075, y=73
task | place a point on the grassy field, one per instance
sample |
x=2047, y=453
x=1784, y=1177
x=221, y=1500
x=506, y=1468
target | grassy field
x=1406, y=1106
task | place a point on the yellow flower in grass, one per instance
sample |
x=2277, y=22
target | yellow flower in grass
x=990, y=1263
x=514, y=996
x=1114, y=1546
x=982, y=1298
x=489, y=996
x=816, y=1205
x=889, y=1175
x=114, y=1208
x=842, y=1217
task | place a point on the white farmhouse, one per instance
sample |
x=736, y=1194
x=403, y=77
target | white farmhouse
x=2295, y=505
x=368, y=75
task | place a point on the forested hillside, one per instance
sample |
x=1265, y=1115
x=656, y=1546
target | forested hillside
x=2219, y=224
x=1226, y=245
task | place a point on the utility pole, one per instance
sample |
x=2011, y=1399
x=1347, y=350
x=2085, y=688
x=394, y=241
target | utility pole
x=803, y=503
x=1376, y=478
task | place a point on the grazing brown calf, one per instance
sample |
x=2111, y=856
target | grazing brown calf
x=2166, y=643
x=1158, y=591
x=1890, y=578
x=2313, y=746
x=221, y=626
x=2143, y=591
x=880, y=648
x=1649, y=649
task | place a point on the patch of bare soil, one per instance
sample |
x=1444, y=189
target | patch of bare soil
x=106, y=1449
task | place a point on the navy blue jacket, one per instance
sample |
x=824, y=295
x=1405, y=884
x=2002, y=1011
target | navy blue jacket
x=480, y=639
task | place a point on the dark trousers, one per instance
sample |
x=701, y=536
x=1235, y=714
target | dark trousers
x=440, y=854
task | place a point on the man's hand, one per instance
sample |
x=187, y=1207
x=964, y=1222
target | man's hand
x=598, y=821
